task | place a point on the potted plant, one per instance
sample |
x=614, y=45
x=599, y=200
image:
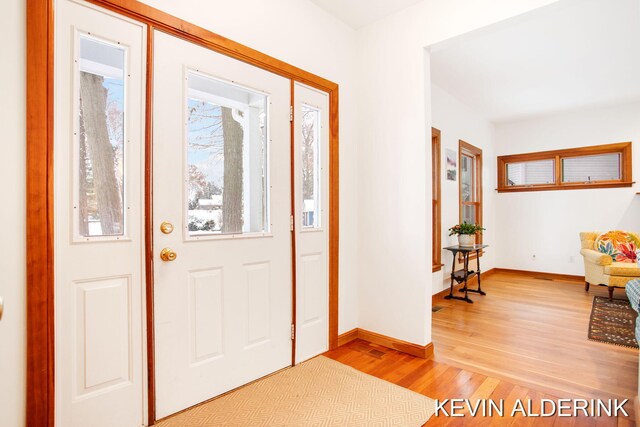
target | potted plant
x=466, y=233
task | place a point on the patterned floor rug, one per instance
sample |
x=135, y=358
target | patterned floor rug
x=319, y=392
x=613, y=322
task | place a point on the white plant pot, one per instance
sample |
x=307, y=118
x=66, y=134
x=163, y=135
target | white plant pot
x=466, y=239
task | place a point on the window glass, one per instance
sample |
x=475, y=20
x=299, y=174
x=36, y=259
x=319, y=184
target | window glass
x=470, y=195
x=531, y=173
x=469, y=214
x=226, y=158
x=310, y=128
x=466, y=178
x=101, y=139
x=601, y=167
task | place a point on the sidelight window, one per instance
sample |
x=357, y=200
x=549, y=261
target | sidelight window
x=101, y=139
x=310, y=167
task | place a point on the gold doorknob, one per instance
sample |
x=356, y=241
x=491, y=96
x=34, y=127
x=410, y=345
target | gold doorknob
x=166, y=227
x=167, y=254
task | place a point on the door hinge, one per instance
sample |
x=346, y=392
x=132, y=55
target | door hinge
x=291, y=223
x=293, y=331
x=290, y=113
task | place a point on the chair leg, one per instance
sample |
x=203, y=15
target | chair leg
x=610, y=292
x=586, y=286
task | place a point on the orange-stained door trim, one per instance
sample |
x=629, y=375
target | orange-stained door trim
x=148, y=231
x=436, y=188
x=294, y=258
x=40, y=304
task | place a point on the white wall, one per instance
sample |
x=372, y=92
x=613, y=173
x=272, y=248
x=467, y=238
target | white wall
x=457, y=121
x=302, y=34
x=13, y=215
x=547, y=223
x=394, y=239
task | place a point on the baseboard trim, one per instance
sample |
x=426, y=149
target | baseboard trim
x=347, y=337
x=487, y=273
x=423, y=352
x=542, y=275
x=396, y=344
x=444, y=292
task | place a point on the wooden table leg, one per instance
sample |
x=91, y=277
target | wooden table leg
x=466, y=273
x=480, y=291
x=453, y=269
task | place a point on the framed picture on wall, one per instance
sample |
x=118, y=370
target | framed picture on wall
x=452, y=164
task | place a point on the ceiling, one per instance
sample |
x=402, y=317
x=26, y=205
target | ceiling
x=358, y=13
x=570, y=55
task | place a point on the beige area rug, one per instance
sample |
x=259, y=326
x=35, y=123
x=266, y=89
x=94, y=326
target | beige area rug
x=319, y=392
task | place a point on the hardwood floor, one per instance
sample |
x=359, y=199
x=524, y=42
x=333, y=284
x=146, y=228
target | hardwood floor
x=525, y=340
x=534, y=332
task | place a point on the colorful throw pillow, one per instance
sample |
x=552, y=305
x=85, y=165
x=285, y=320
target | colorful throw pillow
x=620, y=245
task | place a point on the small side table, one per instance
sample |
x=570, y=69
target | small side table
x=465, y=274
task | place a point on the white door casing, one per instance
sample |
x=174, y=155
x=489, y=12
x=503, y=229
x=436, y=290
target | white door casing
x=311, y=154
x=98, y=279
x=223, y=307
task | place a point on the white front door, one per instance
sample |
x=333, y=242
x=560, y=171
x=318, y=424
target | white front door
x=98, y=190
x=311, y=166
x=221, y=168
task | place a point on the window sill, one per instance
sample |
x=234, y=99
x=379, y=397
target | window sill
x=565, y=187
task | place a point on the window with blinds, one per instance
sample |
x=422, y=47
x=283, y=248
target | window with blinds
x=597, y=166
x=603, y=167
x=531, y=173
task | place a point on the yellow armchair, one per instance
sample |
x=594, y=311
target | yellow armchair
x=601, y=269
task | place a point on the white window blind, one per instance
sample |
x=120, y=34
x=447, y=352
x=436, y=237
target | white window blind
x=531, y=173
x=600, y=167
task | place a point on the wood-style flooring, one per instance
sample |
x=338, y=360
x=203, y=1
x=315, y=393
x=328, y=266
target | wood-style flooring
x=527, y=339
x=534, y=331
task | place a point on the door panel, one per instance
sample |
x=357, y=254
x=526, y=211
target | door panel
x=205, y=307
x=222, y=178
x=311, y=154
x=103, y=340
x=98, y=160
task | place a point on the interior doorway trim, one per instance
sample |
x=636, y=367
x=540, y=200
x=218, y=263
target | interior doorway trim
x=39, y=233
x=40, y=142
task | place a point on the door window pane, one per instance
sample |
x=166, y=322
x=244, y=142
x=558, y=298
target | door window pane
x=602, y=167
x=101, y=139
x=466, y=178
x=310, y=128
x=531, y=173
x=226, y=158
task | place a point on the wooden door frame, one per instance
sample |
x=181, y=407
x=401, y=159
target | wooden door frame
x=436, y=223
x=40, y=195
